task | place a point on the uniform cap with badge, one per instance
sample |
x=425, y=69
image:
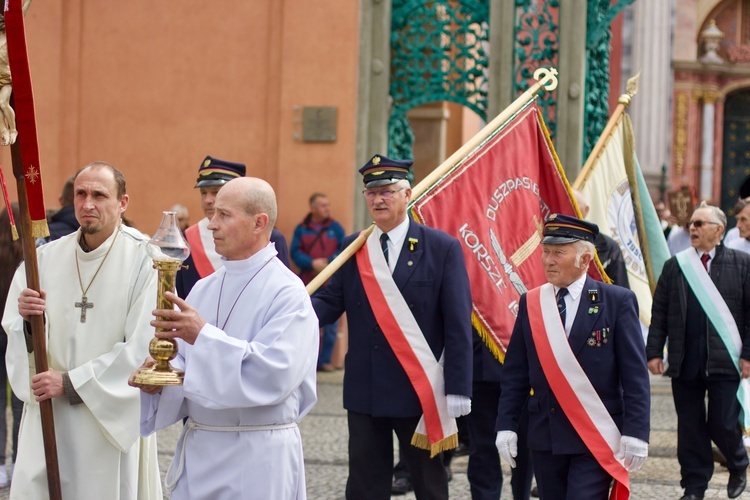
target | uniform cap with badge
x=216, y=172
x=382, y=171
x=562, y=229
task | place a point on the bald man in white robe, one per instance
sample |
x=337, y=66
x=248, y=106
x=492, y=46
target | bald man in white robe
x=249, y=365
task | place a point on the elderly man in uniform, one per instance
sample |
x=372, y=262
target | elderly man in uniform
x=701, y=306
x=407, y=299
x=98, y=290
x=249, y=366
x=577, y=348
x=204, y=260
x=316, y=242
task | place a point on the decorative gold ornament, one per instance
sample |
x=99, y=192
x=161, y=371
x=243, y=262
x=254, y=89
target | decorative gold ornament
x=168, y=249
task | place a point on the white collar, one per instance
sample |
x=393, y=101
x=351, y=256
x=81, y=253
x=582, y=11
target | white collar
x=711, y=253
x=252, y=263
x=397, y=235
x=574, y=289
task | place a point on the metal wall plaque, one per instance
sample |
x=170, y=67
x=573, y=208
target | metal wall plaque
x=319, y=123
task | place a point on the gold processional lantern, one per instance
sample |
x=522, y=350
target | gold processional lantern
x=168, y=249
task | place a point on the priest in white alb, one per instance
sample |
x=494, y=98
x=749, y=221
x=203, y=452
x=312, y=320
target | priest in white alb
x=248, y=342
x=98, y=289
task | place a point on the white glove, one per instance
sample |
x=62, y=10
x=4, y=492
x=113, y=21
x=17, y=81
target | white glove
x=458, y=406
x=632, y=453
x=507, y=446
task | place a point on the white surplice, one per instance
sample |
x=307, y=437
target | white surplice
x=253, y=364
x=100, y=452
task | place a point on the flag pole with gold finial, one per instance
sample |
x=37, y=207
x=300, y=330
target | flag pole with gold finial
x=631, y=89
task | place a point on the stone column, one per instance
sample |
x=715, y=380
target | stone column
x=572, y=83
x=650, y=108
x=707, y=144
x=373, y=108
x=502, y=57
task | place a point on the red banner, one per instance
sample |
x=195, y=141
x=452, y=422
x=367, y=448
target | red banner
x=496, y=203
x=23, y=104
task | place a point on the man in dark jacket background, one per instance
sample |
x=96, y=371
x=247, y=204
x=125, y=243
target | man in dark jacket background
x=698, y=360
x=316, y=242
x=64, y=220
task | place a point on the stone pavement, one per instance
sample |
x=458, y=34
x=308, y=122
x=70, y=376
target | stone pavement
x=324, y=433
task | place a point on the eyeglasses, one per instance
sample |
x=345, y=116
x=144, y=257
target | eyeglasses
x=386, y=194
x=699, y=223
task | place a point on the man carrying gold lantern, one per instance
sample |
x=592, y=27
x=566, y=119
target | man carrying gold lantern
x=249, y=365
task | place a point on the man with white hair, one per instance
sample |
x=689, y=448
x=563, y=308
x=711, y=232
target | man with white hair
x=408, y=303
x=701, y=306
x=249, y=366
x=577, y=349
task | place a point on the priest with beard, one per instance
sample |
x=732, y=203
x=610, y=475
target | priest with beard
x=98, y=287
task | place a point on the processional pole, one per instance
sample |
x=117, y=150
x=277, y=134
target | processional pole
x=631, y=89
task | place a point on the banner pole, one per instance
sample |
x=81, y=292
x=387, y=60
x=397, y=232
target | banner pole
x=38, y=338
x=631, y=89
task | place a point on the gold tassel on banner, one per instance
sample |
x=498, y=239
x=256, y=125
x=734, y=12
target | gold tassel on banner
x=14, y=232
x=39, y=229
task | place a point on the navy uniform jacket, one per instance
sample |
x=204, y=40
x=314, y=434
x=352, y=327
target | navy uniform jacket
x=487, y=368
x=188, y=276
x=617, y=370
x=433, y=280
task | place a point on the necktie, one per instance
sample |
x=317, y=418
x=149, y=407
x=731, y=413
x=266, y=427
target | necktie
x=561, y=293
x=704, y=260
x=384, y=245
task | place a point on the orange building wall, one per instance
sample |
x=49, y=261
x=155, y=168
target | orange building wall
x=153, y=87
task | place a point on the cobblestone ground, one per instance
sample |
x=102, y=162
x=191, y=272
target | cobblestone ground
x=324, y=432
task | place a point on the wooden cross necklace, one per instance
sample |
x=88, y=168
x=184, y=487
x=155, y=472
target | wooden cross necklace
x=84, y=303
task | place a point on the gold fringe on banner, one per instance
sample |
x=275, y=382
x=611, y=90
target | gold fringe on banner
x=487, y=338
x=421, y=441
x=39, y=229
x=14, y=232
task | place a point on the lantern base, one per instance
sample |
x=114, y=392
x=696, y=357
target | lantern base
x=150, y=376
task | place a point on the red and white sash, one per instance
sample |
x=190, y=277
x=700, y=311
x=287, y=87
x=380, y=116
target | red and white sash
x=205, y=261
x=436, y=431
x=572, y=387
